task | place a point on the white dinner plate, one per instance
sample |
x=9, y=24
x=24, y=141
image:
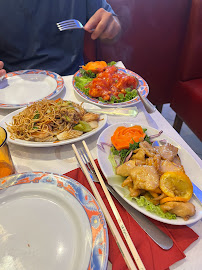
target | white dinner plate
x=191, y=167
x=8, y=120
x=142, y=87
x=51, y=222
x=21, y=88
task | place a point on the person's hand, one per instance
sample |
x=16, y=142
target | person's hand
x=105, y=25
x=2, y=71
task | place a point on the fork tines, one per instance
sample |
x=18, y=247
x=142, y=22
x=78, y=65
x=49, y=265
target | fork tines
x=86, y=160
x=69, y=24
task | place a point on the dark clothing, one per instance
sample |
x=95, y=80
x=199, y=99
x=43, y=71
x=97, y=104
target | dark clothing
x=29, y=37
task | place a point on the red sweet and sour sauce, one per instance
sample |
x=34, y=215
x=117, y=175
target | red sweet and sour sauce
x=111, y=82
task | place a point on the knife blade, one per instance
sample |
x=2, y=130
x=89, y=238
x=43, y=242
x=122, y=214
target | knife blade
x=130, y=111
x=159, y=237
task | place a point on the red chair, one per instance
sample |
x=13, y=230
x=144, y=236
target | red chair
x=151, y=42
x=187, y=93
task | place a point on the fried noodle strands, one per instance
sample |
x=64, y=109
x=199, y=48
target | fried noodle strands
x=48, y=120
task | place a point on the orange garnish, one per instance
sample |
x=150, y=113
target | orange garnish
x=124, y=136
x=172, y=199
x=176, y=185
x=95, y=67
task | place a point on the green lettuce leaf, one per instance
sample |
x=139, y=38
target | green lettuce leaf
x=155, y=209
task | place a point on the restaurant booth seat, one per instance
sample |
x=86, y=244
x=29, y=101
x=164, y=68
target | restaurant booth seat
x=187, y=92
x=152, y=38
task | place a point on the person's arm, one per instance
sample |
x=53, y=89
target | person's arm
x=2, y=71
x=105, y=26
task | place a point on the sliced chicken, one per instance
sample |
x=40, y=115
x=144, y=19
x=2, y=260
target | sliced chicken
x=134, y=192
x=124, y=169
x=149, y=150
x=167, y=151
x=145, y=177
x=139, y=154
x=180, y=209
x=139, y=162
x=127, y=181
x=177, y=160
x=168, y=166
x=154, y=161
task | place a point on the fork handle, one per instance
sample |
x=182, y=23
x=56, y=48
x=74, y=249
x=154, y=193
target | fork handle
x=159, y=237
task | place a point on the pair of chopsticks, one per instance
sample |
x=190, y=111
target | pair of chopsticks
x=118, y=239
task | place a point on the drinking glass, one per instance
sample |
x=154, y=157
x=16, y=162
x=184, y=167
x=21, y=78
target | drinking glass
x=6, y=163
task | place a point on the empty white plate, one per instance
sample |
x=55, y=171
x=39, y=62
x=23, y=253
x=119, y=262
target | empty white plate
x=21, y=88
x=51, y=222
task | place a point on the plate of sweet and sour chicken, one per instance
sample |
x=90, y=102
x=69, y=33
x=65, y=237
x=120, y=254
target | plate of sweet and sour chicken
x=106, y=85
x=156, y=180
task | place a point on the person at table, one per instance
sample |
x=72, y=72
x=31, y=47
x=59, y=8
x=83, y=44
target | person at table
x=2, y=71
x=30, y=38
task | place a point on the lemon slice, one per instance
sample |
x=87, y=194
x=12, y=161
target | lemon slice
x=176, y=184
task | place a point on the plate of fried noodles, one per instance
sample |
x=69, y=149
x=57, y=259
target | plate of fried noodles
x=48, y=123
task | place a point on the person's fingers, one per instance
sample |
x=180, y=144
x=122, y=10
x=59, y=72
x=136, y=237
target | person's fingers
x=99, y=21
x=93, y=21
x=1, y=64
x=103, y=26
x=2, y=72
x=110, y=31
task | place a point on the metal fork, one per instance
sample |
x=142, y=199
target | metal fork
x=160, y=238
x=69, y=24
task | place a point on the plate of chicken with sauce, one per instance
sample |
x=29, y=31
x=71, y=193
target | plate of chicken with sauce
x=155, y=180
x=107, y=85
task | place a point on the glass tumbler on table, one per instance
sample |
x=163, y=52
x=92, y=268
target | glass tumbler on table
x=6, y=163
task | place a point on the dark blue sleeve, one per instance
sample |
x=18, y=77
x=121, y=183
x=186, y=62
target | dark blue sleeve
x=94, y=5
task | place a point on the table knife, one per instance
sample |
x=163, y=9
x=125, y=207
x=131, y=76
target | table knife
x=159, y=237
x=130, y=111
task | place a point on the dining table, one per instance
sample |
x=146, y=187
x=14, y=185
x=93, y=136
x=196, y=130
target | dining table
x=61, y=159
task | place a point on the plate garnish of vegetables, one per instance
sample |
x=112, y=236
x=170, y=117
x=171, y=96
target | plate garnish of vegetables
x=106, y=82
x=154, y=175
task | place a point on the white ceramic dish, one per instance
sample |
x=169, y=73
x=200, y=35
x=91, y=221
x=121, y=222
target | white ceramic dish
x=51, y=222
x=21, y=88
x=8, y=119
x=143, y=88
x=191, y=167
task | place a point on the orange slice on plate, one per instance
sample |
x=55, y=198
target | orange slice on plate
x=172, y=199
x=176, y=184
